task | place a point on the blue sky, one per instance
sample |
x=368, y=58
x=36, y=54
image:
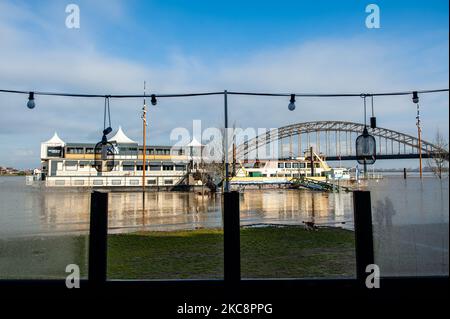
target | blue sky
x=185, y=46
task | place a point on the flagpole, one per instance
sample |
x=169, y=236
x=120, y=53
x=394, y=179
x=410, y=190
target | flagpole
x=419, y=136
x=144, y=131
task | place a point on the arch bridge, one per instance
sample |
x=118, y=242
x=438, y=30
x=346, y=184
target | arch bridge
x=335, y=140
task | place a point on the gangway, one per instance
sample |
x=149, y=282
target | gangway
x=314, y=184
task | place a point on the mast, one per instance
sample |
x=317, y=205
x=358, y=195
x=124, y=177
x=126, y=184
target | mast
x=144, y=128
x=419, y=135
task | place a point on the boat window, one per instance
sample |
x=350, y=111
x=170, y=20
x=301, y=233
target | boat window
x=151, y=182
x=97, y=182
x=116, y=182
x=134, y=182
x=89, y=150
x=155, y=167
x=179, y=167
x=287, y=165
x=280, y=165
x=302, y=165
x=168, y=182
x=167, y=167
x=294, y=165
x=129, y=167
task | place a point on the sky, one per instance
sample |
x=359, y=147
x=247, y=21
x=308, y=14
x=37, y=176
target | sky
x=199, y=46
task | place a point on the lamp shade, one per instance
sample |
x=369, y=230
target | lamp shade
x=366, y=148
x=104, y=156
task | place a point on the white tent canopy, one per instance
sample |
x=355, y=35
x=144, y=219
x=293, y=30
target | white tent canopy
x=121, y=138
x=55, y=141
x=194, y=143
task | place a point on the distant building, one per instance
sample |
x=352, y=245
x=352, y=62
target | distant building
x=77, y=164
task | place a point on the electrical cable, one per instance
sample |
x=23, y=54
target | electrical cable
x=119, y=96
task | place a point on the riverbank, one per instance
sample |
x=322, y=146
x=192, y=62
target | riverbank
x=281, y=252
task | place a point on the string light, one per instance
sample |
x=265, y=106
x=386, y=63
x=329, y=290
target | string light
x=415, y=97
x=30, y=103
x=154, y=101
x=291, y=105
x=118, y=96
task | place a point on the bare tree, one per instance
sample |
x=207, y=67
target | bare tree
x=438, y=163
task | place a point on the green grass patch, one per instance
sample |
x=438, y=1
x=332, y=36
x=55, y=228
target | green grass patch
x=269, y=252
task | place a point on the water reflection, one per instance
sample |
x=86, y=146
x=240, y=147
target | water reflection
x=31, y=211
x=411, y=226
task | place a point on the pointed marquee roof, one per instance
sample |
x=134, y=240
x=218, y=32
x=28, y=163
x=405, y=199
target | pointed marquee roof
x=55, y=140
x=121, y=138
x=194, y=143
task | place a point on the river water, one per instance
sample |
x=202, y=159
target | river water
x=410, y=217
x=26, y=210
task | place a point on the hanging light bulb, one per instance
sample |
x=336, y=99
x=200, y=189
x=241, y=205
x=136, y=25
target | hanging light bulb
x=154, y=100
x=415, y=97
x=31, y=103
x=291, y=105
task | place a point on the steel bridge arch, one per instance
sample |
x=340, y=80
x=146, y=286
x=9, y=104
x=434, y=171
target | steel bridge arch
x=339, y=126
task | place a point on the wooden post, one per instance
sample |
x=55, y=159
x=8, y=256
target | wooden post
x=231, y=234
x=362, y=212
x=98, y=233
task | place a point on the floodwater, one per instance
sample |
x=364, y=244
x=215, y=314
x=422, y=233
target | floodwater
x=27, y=210
x=410, y=217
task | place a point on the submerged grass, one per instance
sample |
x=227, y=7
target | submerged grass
x=268, y=252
